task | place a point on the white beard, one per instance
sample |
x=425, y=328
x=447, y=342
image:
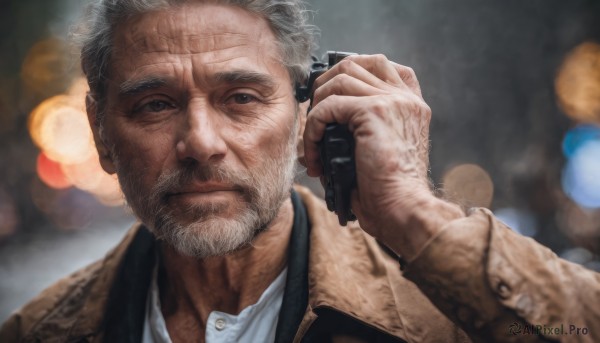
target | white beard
x=265, y=188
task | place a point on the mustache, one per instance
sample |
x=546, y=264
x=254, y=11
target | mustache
x=179, y=179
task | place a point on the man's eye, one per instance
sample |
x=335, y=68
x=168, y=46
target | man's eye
x=155, y=106
x=242, y=98
x=158, y=105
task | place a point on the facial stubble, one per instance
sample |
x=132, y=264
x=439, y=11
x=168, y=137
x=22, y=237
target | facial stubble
x=206, y=232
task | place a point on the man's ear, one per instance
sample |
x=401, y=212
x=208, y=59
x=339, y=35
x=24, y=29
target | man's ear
x=302, y=115
x=91, y=107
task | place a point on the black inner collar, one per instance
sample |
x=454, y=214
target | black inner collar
x=295, y=297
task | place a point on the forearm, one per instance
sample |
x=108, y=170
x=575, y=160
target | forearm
x=422, y=219
x=486, y=278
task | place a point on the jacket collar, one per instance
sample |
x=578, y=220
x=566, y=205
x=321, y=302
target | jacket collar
x=91, y=323
x=348, y=273
x=74, y=308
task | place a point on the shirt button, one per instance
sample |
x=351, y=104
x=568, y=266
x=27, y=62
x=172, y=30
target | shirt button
x=220, y=324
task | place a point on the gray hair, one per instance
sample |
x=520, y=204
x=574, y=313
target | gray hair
x=288, y=19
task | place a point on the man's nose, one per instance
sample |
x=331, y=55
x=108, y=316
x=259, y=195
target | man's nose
x=201, y=137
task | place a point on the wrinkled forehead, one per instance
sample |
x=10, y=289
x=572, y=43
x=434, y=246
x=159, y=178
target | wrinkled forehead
x=203, y=29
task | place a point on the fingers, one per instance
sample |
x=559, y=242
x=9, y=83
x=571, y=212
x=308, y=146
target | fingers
x=349, y=93
x=408, y=77
x=333, y=109
x=345, y=84
x=374, y=70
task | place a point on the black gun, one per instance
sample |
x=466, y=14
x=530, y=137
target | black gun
x=336, y=148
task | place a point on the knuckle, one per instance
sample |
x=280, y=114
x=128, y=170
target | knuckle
x=325, y=103
x=380, y=106
x=334, y=86
x=352, y=58
x=339, y=81
x=426, y=110
x=345, y=65
x=318, y=94
x=411, y=72
x=330, y=100
x=414, y=105
x=420, y=107
x=410, y=104
x=380, y=58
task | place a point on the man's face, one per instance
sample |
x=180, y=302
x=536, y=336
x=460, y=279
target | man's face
x=201, y=125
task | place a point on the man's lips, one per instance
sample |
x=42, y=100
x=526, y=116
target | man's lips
x=204, y=188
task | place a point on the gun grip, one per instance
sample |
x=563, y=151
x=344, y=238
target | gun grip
x=336, y=148
x=339, y=170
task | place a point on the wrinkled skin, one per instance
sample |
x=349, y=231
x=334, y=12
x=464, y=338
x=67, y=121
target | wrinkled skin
x=382, y=104
x=200, y=88
x=215, y=107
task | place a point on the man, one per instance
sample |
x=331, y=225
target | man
x=192, y=106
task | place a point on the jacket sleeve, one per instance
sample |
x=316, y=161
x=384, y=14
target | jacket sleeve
x=59, y=301
x=10, y=331
x=502, y=287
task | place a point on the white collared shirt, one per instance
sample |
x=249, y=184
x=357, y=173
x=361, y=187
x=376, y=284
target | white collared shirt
x=256, y=323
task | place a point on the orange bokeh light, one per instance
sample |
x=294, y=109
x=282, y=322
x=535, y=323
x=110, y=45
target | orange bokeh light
x=578, y=83
x=59, y=127
x=86, y=175
x=51, y=173
x=47, y=67
x=112, y=195
x=90, y=177
x=79, y=89
x=469, y=184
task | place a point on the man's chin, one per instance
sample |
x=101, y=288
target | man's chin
x=212, y=236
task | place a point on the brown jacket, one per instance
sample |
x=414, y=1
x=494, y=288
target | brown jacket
x=493, y=283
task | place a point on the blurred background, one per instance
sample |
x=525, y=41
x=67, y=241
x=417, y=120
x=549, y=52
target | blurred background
x=514, y=87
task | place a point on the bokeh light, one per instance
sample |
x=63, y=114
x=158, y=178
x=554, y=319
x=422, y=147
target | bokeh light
x=110, y=193
x=581, y=256
x=46, y=69
x=578, y=83
x=79, y=89
x=59, y=127
x=581, y=225
x=50, y=172
x=579, y=136
x=581, y=176
x=468, y=184
x=577, y=255
x=85, y=175
x=519, y=220
x=90, y=177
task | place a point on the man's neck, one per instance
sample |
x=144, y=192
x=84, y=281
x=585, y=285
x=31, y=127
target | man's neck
x=190, y=289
